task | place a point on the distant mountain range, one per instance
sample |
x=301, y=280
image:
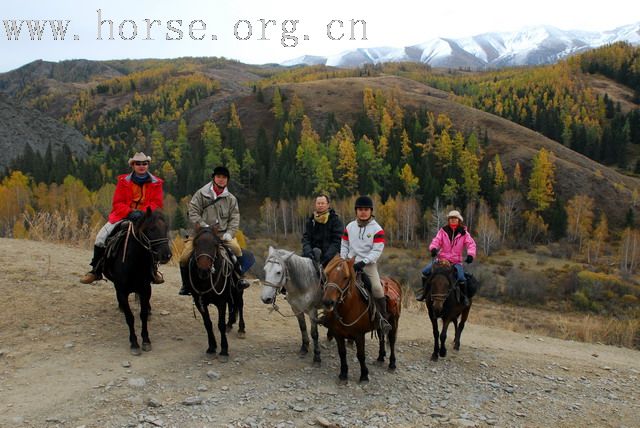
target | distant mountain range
x=529, y=46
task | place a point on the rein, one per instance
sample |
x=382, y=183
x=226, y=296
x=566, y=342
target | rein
x=148, y=244
x=345, y=292
x=442, y=296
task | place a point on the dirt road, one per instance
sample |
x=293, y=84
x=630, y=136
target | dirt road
x=64, y=361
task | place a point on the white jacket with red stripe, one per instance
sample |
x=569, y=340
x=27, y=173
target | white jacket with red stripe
x=365, y=243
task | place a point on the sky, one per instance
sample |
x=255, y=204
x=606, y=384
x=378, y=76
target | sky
x=262, y=31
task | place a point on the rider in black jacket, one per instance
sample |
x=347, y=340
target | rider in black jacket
x=322, y=233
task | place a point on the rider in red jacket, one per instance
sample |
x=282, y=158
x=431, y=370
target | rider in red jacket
x=135, y=192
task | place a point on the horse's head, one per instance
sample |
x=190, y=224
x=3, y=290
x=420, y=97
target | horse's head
x=441, y=284
x=339, y=273
x=275, y=275
x=206, y=246
x=153, y=228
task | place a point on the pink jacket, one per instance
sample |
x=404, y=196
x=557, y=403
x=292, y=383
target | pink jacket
x=452, y=251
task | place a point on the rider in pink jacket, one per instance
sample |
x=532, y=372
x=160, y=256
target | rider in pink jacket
x=448, y=244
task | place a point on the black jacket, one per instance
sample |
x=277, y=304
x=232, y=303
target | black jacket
x=327, y=237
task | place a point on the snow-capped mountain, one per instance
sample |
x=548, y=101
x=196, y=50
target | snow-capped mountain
x=529, y=46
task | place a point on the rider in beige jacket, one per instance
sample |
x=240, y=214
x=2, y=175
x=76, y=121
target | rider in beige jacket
x=213, y=206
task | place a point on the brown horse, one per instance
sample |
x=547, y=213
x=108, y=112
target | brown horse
x=443, y=302
x=349, y=316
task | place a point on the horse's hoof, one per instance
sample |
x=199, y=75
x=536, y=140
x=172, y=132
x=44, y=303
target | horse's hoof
x=242, y=334
x=211, y=355
x=364, y=380
x=342, y=382
x=223, y=358
x=434, y=357
x=443, y=353
x=380, y=362
x=317, y=364
x=303, y=352
x=392, y=367
x=456, y=347
x=229, y=328
x=146, y=347
x=136, y=351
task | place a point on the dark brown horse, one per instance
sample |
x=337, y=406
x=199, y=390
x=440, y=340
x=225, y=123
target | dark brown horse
x=349, y=316
x=141, y=245
x=443, y=302
x=213, y=281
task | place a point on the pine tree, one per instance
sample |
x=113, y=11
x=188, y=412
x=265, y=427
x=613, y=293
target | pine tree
x=277, y=107
x=409, y=181
x=541, y=180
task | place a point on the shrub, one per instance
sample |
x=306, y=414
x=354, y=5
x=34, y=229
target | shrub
x=526, y=286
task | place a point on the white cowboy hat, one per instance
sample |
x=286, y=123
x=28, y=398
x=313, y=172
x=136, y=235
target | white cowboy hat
x=139, y=157
x=455, y=213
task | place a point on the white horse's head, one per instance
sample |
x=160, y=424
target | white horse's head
x=275, y=274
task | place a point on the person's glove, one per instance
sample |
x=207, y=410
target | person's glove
x=359, y=267
x=469, y=259
x=226, y=237
x=434, y=252
x=317, y=254
x=135, y=215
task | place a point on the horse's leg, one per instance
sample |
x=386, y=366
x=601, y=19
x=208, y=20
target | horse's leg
x=364, y=371
x=232, y=315
x=436, y=334
x=393, y=334
x=463, y=320
x=241, y=326
x=304, y=348
x=208, y=325
x=224, y=345
x=123, y=303
x=381, y=348
x=315, y=337
x=145, y=311
x=342, y=352
x=443, y=337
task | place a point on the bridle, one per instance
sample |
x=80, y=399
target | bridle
x=345, y=292
x=441, y=297
x=144, y=241
x=225, y=271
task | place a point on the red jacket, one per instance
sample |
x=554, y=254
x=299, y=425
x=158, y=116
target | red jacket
x=452, y=251
x=123, y=202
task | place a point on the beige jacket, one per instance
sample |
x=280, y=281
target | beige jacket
x=205, y=210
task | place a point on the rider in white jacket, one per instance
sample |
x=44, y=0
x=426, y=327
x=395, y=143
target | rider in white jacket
x=363, y=239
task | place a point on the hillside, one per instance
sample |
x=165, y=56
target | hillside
x=71, y=341
x=575, y=173
x=21, y=125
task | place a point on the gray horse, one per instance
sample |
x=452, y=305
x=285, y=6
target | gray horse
x=299, y=275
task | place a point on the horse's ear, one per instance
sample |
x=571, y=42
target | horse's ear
x=351, y=261
x=271, y=250
x=287, y=255
x=197, y=227
x=148, y=212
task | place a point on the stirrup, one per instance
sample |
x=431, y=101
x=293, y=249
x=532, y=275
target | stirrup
x=158, y=278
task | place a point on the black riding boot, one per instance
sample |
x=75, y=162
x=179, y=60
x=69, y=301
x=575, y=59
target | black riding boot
x=96, y=264
x=381, y=305
x=421, y=294
x=463, y=292
x=185, y=290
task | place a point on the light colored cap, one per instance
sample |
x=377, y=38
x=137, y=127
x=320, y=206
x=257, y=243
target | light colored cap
x=139, y=157
x=455, y=213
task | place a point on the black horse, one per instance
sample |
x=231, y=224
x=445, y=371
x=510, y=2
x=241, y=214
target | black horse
x=130, y=264
x=443, y=301
x=213, y=280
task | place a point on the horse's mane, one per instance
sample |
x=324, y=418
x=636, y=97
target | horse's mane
x=201, y=231
x=333, y=263
x=300, y=268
